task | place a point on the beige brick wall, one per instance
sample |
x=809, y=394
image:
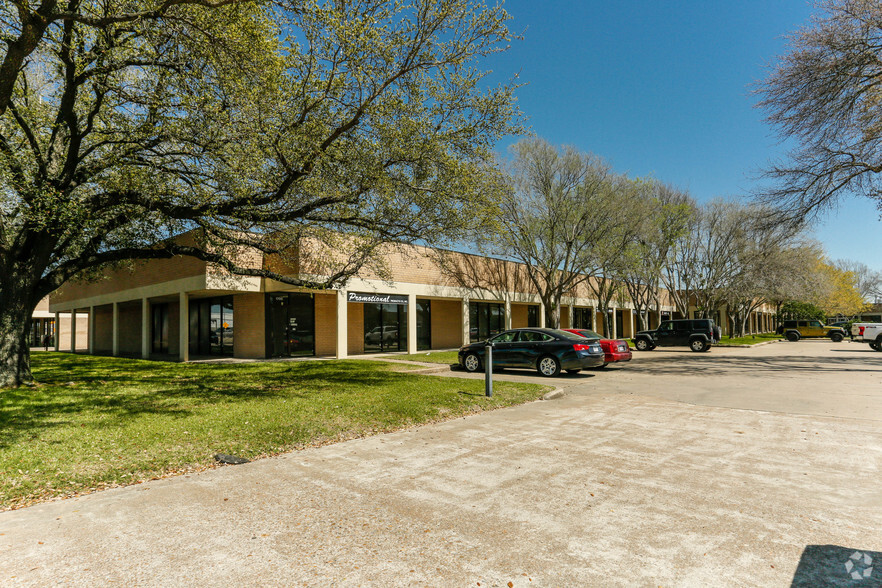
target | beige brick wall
x=82, y=332
x=355, y=328
x=326, y=324
x=249, y=325
x=446, y=324
x=565, y=317
x=103, y=324
x=130, y=329
x=519, y=316
x=141, y=274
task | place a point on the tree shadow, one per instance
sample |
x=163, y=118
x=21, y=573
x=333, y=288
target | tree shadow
x=834, y=565
x=102, y=392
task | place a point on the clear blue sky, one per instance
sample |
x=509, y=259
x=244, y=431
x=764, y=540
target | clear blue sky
x=664, y=89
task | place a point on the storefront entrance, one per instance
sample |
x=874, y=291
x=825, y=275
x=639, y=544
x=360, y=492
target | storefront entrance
x=211, y=326
x=290, y=325
x=385, y=327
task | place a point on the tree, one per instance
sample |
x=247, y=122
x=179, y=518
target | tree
x=841, y=297
x=254, y=125
x=824, y=95
x=550, y=218
x=669, y=211
x=624, y=212
x=867, y=281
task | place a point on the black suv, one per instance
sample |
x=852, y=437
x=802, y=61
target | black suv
x=698, y=334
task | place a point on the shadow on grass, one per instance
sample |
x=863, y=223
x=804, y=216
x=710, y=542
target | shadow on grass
x=106, y=392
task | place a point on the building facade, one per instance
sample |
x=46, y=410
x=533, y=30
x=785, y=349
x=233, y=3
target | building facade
x=182, y=309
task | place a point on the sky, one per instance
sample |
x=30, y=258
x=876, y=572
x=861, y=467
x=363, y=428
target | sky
x=664, y=89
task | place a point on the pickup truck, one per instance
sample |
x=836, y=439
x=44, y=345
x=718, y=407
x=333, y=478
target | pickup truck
x=868, y=333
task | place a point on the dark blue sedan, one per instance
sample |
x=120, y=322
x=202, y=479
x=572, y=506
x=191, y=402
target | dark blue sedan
x=548, y=351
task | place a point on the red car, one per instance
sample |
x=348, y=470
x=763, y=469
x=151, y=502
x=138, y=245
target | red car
x=613, y=349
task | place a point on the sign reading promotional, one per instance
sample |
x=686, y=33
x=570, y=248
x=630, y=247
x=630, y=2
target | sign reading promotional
x=369, y=297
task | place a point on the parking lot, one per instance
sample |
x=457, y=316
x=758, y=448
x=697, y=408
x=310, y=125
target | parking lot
x=737, y=467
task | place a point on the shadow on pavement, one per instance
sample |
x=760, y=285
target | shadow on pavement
x=704, y=364
x=834, y=565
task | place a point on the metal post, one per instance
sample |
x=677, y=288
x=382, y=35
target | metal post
x=488, y=370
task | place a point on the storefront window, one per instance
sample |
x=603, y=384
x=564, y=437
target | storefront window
x=211, y=326
x=290, y=325
x=159, y=315
x=485, y=320
x=582, y=318
x=532, y=316
x=385, y=327
x=424, y=324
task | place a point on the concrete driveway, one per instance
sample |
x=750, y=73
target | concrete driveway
x=738, y=467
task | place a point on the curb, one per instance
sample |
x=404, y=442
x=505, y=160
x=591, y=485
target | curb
x=554, y=394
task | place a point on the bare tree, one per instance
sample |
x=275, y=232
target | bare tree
x=867, y=281
x=824, y=95
x=550, y=218
x=667, y=214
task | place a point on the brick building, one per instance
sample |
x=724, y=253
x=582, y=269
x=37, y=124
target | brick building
x=412, y=306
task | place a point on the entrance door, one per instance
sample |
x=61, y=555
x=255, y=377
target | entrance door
x=290, y=325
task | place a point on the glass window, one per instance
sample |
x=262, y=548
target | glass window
x=211, y=326
x=290, y=324
x=666, y=326
x=424, y=324
x=532, y=316
x=485, y=320
x=159, y=332
x=506, y=337
x=385, y=327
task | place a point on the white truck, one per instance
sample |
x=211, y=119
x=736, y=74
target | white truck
x=868, y=333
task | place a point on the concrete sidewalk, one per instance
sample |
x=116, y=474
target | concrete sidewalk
x=598, y=488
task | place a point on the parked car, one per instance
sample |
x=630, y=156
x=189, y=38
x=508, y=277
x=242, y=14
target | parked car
x=548, y=351
x=868, y=333
x=698, y=334
x=614, y=350
x=794, y=330
x=382, y=335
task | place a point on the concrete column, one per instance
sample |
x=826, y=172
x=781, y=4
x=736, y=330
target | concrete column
x=507, y=321
x=411, y=324
x=342, y=325
x=612, y=323
x=572, y=318
x=466, y=327
x=145, y=328
x=57, y=331
x=633, y=329
x=90, y=330
x=184, y=327
x=115, y=329
x=73, y=330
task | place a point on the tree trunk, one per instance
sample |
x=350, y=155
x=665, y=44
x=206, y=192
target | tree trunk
x=15, y=355
x=552, y=314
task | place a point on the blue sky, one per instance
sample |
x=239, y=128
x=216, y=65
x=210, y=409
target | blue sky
x=663, y=89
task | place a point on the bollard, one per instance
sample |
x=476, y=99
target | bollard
x=488, y=370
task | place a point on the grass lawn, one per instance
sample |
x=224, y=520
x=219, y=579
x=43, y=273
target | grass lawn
x=749, y=340
x=96, y=422
x=448, y=357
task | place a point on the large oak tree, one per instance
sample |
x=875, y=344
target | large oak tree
x=252, y=124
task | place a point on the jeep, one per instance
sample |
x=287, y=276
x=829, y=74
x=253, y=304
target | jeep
x=796, y=330
x=698, y=334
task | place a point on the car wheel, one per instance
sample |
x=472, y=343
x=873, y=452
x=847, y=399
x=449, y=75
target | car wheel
x=548, y=366
x=642, y=345
x=573, y=371
x=836, y=337
x=875, y=346
x=471, y=363
x=878, y=343
x=698, y=345
x=792, y=336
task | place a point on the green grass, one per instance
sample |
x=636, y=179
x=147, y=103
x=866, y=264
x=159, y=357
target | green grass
x=448, y=357
x=749, y=340
x=96, y=422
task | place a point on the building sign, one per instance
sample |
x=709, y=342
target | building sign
x=369, y=297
